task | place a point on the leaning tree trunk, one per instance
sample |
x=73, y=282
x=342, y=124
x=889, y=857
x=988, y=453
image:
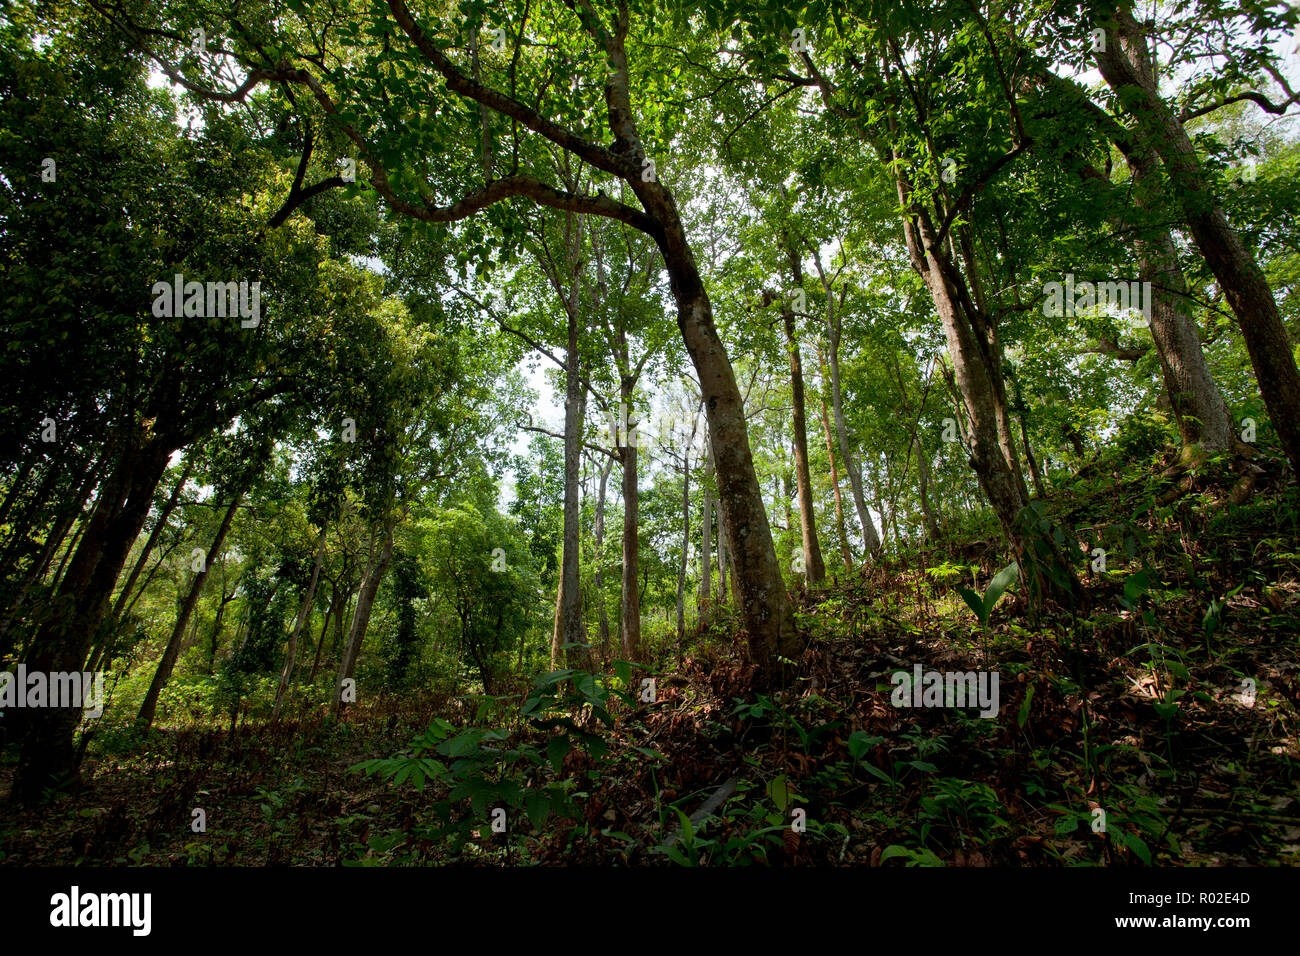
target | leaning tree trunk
x=47, y=754
x=154, y=534
x=1197, y=404
x=1125, y=64
x=163, y=673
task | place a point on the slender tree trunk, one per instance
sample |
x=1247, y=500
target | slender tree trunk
x=332, y=611
x=723, y=565
x=1194, y=397
x=50, y=547
x=706, y=556
x=686, y=547
x=923, y=476
x=154, y=534
x=971, y=372
x=568, y=628
x=870, y=537
x=812, y=551
x=215, y=635
x=631, y=616
x=602, y=611
x=1034, y=473
x=845, y=551
x=304, y=612
x=361, y=614
x=163, y=673
x=765, y=605
x=16, y=485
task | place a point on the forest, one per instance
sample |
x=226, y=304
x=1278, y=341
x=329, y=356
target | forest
x=635, y=433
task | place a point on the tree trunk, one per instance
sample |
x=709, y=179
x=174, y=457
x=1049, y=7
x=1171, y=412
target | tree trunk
x=154, y=534
x=631, y=615
x=334, y=610
x=48, y=756
x=686, y=547
x=568, y=629
x=163, y=673
x=304, y=612
x=923, y=476
x=812, y=552
x=706, y=556
x=971, y=372
x=768, y=616
x=602, y=611
x=1194, y=397
x=845, y=551
x=1125, y=64
x=361, y=615
x=870, y=538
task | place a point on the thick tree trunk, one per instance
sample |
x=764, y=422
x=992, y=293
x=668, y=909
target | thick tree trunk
x=1125, y=64
x=167, y=663
x=63, y=642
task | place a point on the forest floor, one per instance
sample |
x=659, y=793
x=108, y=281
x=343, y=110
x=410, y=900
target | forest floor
x=1169, y=702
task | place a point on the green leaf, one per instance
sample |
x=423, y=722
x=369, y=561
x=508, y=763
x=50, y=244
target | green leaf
x=557, y=748
x=538, y=807
x=877, y=772
x=780, y=791
x=1023, y=715
x=1134, y=585
x=1001, y=581
x=860, y=742
x=974, y=600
